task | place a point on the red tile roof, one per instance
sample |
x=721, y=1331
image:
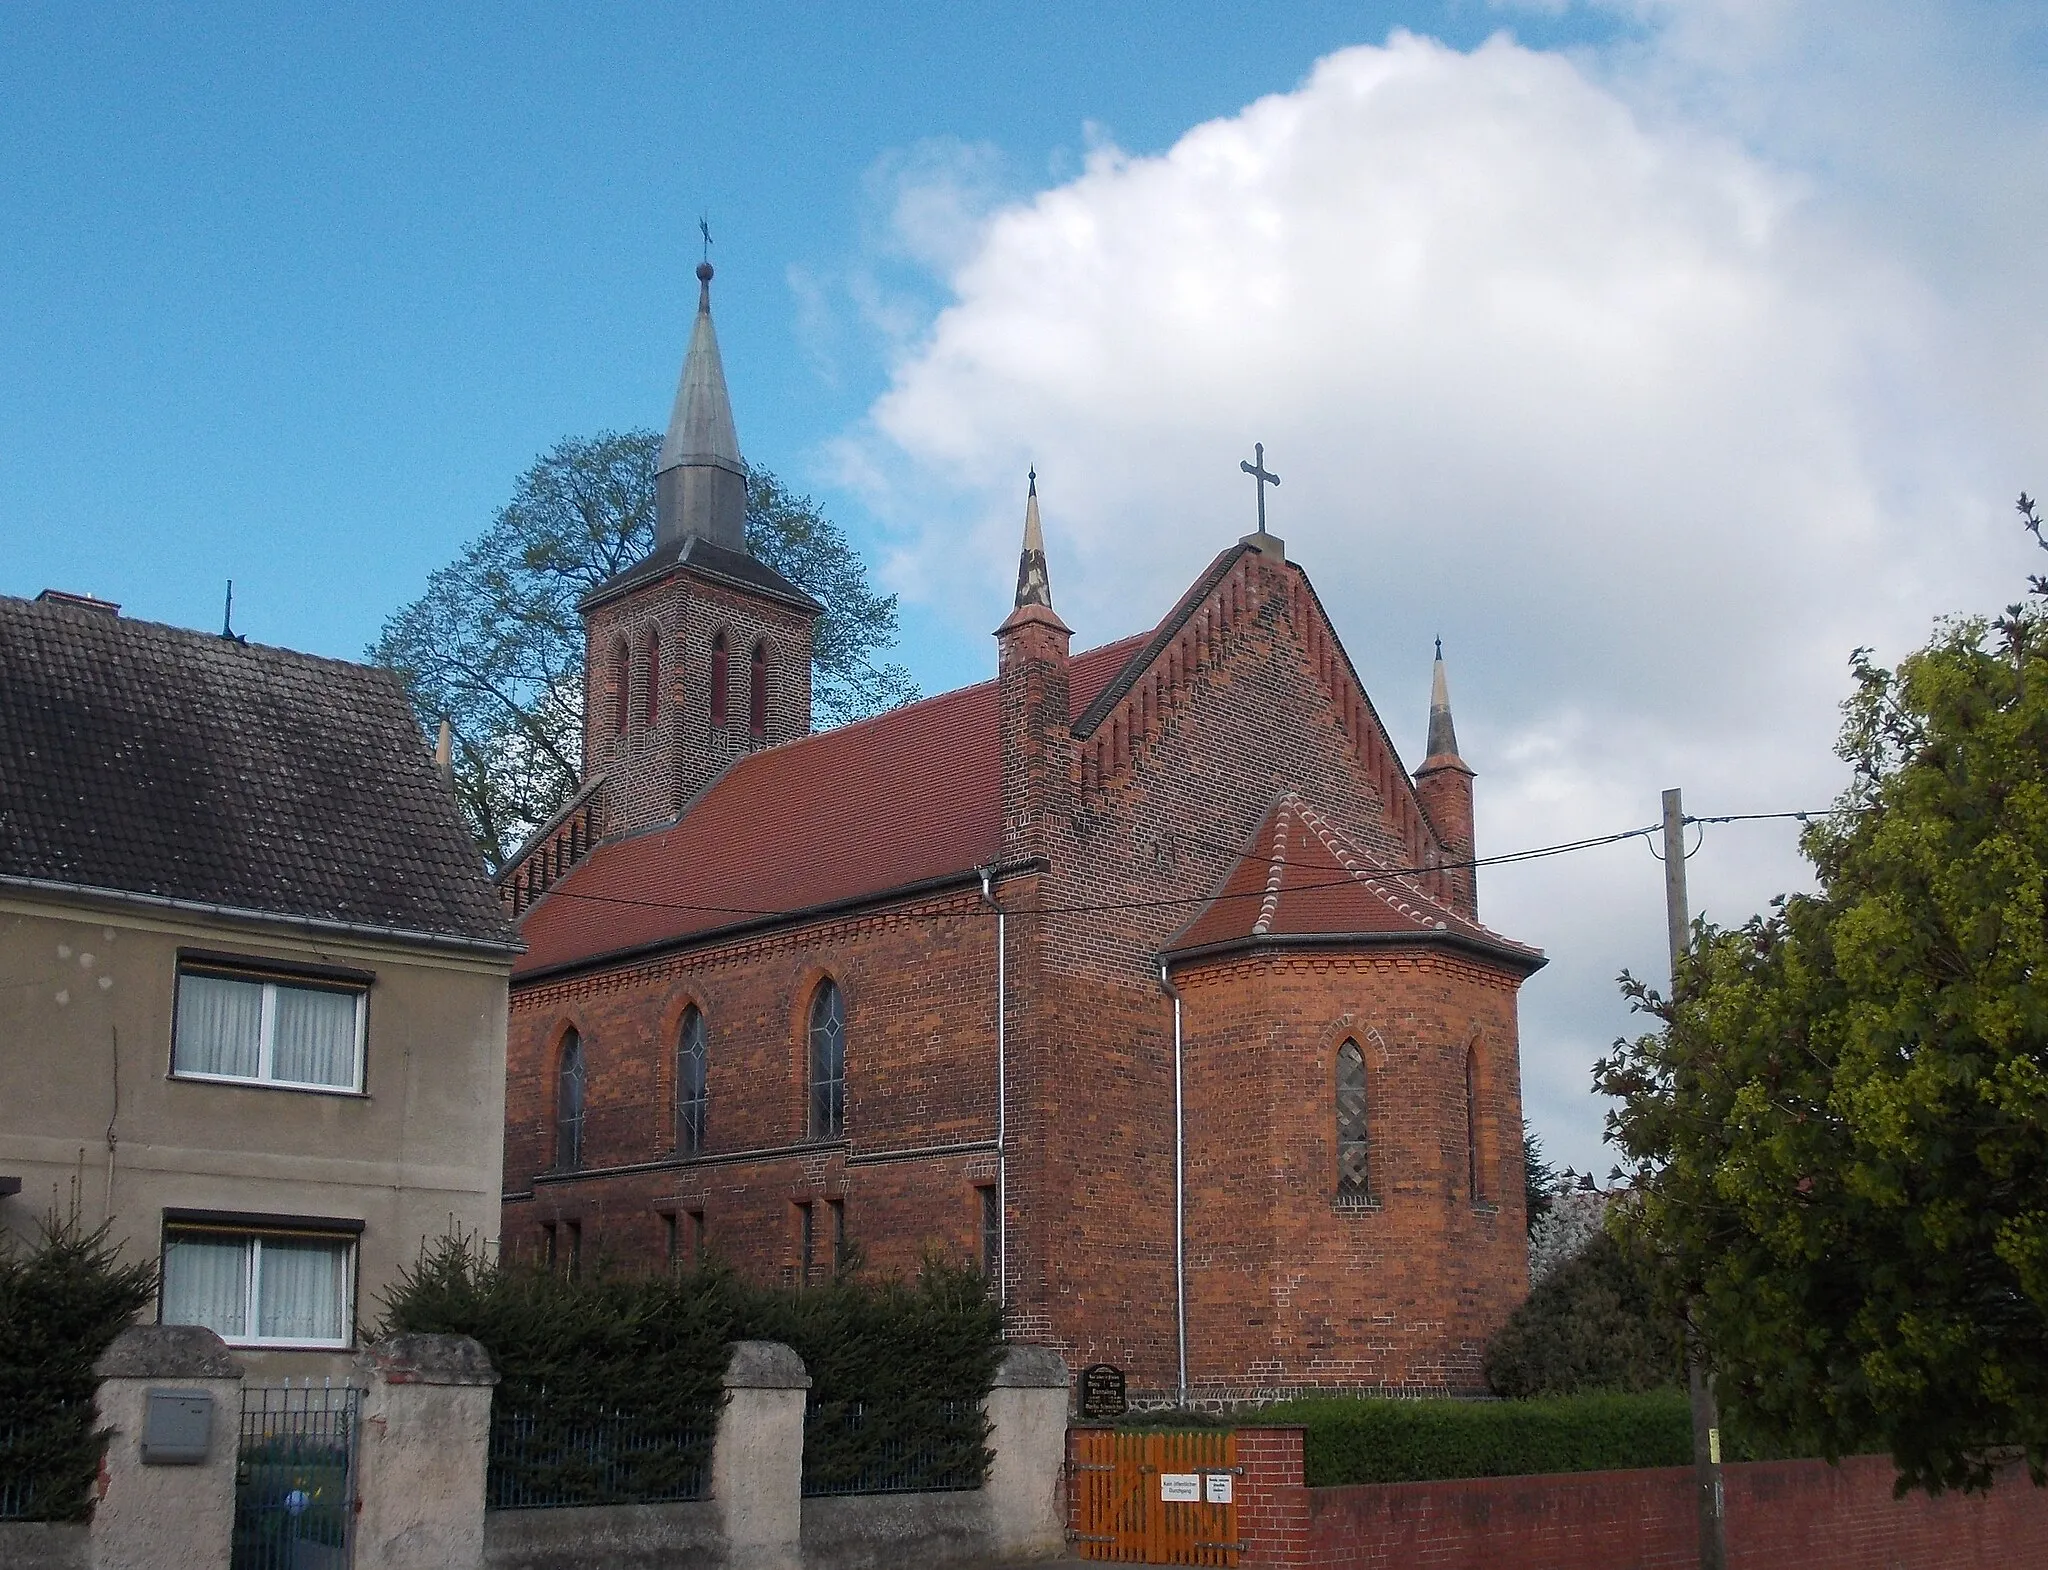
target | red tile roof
x=1303, y=879
x=906, y=797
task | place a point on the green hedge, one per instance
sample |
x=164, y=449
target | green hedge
x=1368, y=1441
x=62, y=1302
x=646, y=1353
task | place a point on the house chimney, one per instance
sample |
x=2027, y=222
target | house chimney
x=82, y=602
x=444, y=753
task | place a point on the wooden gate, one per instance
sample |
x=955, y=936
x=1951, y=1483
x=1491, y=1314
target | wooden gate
x=1155, y=1498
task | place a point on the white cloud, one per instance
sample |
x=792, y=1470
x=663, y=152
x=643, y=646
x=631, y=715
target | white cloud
x=1555, y=356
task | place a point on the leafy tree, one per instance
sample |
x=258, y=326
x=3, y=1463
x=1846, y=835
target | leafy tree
x=1842, y=1128
x=1590, y=1324
x=495, y=645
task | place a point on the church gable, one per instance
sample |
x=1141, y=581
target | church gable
x=1244, y=686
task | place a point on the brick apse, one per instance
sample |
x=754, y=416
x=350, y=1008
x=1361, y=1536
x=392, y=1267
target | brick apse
x=764, y=1000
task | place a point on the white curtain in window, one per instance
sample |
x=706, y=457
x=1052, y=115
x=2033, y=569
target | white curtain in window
x=219, y=1026
x=301, y=1290
x=206, y=1282
x=314, y=1037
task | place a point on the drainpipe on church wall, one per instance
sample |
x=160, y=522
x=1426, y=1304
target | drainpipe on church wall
x=1002, y=1089
x=1180, y=1258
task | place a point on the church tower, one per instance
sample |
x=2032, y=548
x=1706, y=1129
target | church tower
x=700, y=652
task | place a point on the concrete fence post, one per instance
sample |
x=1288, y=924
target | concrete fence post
x=757, y=1464
x=422, y=1453
x=1027, y=1414
x=171, y=1395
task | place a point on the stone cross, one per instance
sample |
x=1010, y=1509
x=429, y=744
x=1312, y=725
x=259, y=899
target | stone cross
x=1258, y=473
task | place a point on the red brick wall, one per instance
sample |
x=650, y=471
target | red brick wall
x=1291, y=1287
x=652, y=771
x=1802, y=1514
x=1145, y=815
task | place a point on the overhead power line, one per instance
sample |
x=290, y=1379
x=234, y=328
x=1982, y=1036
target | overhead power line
x=1507, y=858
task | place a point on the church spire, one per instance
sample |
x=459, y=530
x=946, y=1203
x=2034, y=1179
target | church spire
x=1033, y=586
x=1443, y=738
x=700, y=479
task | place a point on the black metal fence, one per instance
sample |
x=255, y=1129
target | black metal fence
x=17, y=1483
x=295, y=1479
x=541, y=1463
x=902, y=1450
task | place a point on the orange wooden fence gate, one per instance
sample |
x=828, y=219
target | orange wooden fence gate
x=1155, y=1498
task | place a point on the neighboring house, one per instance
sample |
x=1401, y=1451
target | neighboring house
x=252, y=973
x=942, y=976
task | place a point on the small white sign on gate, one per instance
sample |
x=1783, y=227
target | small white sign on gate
x=1180, y=1488
x=1217, y=1487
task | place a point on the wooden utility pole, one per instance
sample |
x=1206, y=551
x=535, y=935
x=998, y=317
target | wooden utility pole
x=1706, y=1416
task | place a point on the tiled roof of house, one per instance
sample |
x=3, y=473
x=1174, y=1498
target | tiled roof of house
x=1302, y=880
x=144, y=759
x=905, y=798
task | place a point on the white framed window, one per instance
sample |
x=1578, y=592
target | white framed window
x=295, y=1032
x=261, y=1288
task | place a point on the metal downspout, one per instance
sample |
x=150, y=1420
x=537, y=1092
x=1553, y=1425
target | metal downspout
x=1180, y=1258
x=1002, y=1090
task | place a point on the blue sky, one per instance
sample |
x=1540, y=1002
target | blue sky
x=292, y=293
x=1656, y=353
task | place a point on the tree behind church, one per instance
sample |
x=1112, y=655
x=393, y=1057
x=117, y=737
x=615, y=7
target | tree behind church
x=495, y=645
x=1842, y=1128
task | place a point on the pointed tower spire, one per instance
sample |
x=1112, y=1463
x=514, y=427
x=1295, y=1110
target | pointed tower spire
x=700, y=479
x=1033, y=586
x=1443, y=737
x=1444, y=787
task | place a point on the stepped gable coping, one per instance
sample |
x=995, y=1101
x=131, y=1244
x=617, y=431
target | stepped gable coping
x=1302, y=881
x=547, y=830
x=1404, y=807
x=1158, y=642
x=825, y=823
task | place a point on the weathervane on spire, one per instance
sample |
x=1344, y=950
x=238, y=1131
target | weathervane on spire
x=1259, y=473
x=704, y=228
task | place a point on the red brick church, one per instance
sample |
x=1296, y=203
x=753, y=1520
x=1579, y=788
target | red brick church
x=955, y=975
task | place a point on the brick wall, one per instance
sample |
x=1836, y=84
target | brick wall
x=1130, y=828
x=1780, y=1514
x=652, y=770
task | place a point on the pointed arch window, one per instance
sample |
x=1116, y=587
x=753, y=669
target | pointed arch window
x=1354, y=1175
x=757, y=691
x=1474, y=1167
x=828, y=1062
x=721, y=676
x=569, y=1105
x=622, y=686
x=652, y=712
x=692, y=1100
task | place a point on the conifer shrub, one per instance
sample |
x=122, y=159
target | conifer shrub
x=1350, y=1440
x=63, y=1299
x=1590, y=1324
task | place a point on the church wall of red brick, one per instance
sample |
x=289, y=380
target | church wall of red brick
x=651, y=771
x=1137, y=825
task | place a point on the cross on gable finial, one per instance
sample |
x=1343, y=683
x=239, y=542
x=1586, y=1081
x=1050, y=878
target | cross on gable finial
x=1262, y=477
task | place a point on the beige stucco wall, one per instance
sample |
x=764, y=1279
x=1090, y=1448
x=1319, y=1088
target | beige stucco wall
x=83, y=989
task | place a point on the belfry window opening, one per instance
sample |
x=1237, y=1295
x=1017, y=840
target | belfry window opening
x=652, y=711
x=622, y=686
x=721, y=677
x=757, y=691
x=1474, y=1168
